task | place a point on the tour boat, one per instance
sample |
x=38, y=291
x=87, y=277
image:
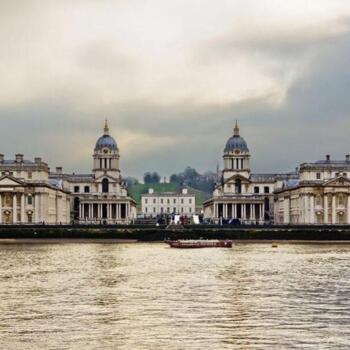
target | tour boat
x=200, y=243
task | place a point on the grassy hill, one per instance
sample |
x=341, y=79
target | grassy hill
x=136, y=191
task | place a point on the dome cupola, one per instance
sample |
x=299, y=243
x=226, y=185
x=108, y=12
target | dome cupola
x=106, y=141
x=236, y=142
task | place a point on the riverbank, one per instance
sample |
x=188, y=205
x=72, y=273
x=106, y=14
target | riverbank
x=152, y=233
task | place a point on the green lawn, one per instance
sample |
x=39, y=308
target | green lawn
x=136, y=191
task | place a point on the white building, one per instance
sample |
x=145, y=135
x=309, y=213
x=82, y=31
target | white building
x=181, y=203
x=321, y=195
x=100, y=197
x=28, y=196
x=241, y=194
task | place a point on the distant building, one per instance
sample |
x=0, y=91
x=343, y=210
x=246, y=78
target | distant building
x=28, y=196
x=241, y=194
x=99, y=197
x=181, y=203
x=321, y=195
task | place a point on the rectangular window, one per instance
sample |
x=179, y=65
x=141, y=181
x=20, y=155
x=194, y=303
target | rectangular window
x=174, y=211
x=146, y=209
x=76, y=189
x=168, y=201
x=190, y=201
x=154, y=210
x=86, y=189
x=190, y=210
x=29, y=174
x=256, y=189
x=30, y=200
x=182, y=201
x=266, y=189
x=174, y=201
x=154, y=201
x=162, y=201
x=146, y=200
x=318, y=176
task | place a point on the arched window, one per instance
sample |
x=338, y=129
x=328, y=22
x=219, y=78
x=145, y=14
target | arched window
x=238, y=186
x=105, y=185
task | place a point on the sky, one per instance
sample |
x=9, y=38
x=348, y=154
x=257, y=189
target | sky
x=172, y=77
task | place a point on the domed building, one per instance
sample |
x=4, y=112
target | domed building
x=241, y=195
x=100, y=197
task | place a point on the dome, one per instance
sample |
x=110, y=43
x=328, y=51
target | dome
x=106, y=141
x=236, y=142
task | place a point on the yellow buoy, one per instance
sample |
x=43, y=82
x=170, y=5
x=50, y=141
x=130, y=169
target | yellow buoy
x=274, y=245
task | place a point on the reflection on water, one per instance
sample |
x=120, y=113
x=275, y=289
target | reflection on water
x=148, y=296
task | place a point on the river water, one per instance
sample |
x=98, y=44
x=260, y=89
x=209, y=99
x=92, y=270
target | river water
x=149, y=296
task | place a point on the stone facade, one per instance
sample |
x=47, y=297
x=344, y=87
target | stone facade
x=321, y=195
x=99, y=197
x=28, y=196
x=181, y=203
x=242, y=195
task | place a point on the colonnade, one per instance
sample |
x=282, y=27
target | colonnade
x=113, y=211
x=325, y=212
x=17, y=207
x=248, y=212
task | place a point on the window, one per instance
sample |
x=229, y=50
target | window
x=190, y=201
x=146, y=209
x=168, y=201
x=105, y=185
x=341, y=199
x=105, y=163
x=154, y=210
x=174, y=201
x=174, y=210
x=345, y=174
x=162, y=201
x=154, y=201
x=76, y=189
x=190, y=210
x=168, y=210
x=266, y=189
x=256, y=189
x=29, y=174
x=336, y=174
x=30, y=200
x=146, y=201
x=238, y=186
x=182, y=201
x=318, y=200
x=86, y=189
x=318, y=176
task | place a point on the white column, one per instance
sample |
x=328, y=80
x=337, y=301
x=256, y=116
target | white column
x=325, y=209
x=14, y=209
x=42, y=207
x=225, y=210
x=312, y=209
x=243, y=212
x=348, y=210
x=306, y=210
x=235, y=211
x=22, y=208
x=99, y=211
x=91, y=214
x=286, y=210
x=334, y=218
x=1, y=208
x=36, y=208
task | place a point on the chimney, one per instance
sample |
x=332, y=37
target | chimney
x=1, y=157
x=184, y=191
x=150, y=191
x=58, y=169
x=19, y=158
x=347, y=157
x=328, y=157
x=37, y=160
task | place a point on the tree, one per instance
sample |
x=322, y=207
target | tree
x=155, y=178
x=175, y=179
x=147, y=178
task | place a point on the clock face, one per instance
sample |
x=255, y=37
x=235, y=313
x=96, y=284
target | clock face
x=105, y=150
x=237, y=151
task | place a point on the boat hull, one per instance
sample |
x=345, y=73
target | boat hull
x=200, y=244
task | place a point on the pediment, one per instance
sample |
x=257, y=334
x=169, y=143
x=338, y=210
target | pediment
x=100, y=178
x=338, y=181
x=10, y=181
x=233, y=179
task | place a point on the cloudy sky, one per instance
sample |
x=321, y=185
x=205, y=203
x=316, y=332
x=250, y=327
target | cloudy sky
x=172, y=77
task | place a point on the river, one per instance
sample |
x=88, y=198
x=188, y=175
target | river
x=149, y=296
